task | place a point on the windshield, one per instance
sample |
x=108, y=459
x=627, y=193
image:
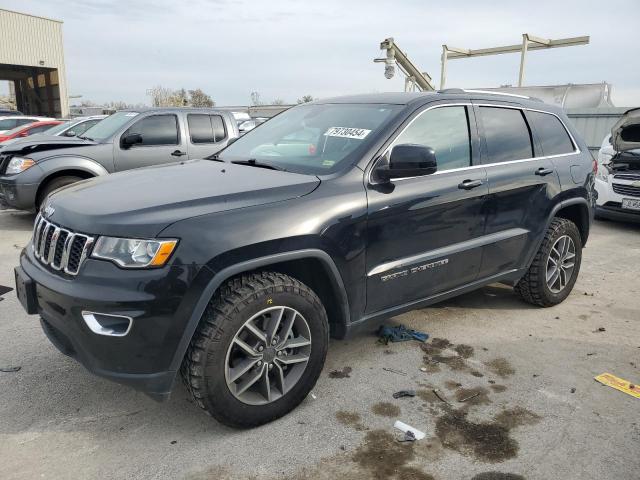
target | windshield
x=110, y=125
x=57, y=129
x=312, y=139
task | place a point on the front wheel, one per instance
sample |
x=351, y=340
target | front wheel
x=259, y=349
x=554, y=269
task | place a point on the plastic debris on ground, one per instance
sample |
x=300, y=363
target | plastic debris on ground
x=400, y=333
x=9, y=369
x=619, y=384
x=403, y=427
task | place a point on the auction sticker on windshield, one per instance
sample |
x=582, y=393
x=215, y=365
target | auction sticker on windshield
x=348, y=132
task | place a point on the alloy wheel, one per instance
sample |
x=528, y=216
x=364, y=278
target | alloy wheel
x=560, y=264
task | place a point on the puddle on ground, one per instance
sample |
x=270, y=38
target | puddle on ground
x=501, y=367
x=486, y=441
x=385, y=458
x=465, y=351
x=386, y=409
x=344, y=373
x=451, y=385
x=498, y=388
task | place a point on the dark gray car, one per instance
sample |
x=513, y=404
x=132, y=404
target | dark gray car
x=125, y=140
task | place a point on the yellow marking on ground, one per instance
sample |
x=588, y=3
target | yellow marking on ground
x=619, y=384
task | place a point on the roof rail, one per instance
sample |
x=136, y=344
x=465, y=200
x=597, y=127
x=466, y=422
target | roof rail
x=488, y=92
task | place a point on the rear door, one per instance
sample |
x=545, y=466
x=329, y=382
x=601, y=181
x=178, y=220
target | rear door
x=522, y=185
x=163, y=141
x=423, y=231
x=207, y=134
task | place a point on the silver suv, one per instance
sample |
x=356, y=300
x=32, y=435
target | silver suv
x=29, y=171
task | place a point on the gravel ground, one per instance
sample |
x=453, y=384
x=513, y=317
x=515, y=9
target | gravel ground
x=517, y=382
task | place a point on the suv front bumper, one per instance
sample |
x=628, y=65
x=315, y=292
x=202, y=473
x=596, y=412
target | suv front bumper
x=159, y=302
x=17, y=194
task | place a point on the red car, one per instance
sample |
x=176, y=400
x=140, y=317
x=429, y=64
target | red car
x=29, y=129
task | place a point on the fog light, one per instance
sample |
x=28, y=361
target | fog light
x=107, y=324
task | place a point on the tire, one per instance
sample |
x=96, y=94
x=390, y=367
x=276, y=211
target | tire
x=534, y=287
x=240, y=302
x=54, y=184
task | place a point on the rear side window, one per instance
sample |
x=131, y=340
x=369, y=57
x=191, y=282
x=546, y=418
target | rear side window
x=446, y=130
x=205, y=128
x=157, y=130
x=506, y=134
x=7, y=124
x=553, y=136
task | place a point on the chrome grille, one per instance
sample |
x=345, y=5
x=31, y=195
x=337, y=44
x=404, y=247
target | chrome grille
x=59, y=248
x=627, y=176
x=626, y=190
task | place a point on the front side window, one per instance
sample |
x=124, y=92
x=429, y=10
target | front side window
x=446, y=130
x=553, y=136
x=314, y=138
x=205, y=128
x=156, y=130
x=506, y=134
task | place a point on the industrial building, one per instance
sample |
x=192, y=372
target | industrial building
x=32, y=60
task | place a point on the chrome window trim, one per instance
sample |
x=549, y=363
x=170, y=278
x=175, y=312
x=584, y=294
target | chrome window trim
x=473, y=167
x=93, y=324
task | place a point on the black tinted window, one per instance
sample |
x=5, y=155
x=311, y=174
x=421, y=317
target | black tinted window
x=446, y=130
x=506, y=133
x=157, y=130
x=205, y=128
x=553, y=136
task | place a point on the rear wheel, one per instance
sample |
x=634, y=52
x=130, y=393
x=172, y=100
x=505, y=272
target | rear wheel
x=259, y=349
x=54, y=184
x=554, y=269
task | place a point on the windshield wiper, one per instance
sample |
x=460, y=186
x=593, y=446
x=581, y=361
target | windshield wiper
x=215, y=157
x=252, y=162
x=85, y=138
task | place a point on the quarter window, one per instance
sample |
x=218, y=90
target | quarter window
x=446, y=130
x=553, y=136
x=506, y=134
x=206, y=128
x=157, y=130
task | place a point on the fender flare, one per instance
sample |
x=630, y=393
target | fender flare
x=559, y=206
x=60, y=163
x=220, y=277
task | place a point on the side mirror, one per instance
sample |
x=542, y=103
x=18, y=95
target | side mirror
x=130, y=139
x=69, y=133
x=408, y=160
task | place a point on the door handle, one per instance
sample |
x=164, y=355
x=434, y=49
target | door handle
x=543, y=171
x=469, y=184
x=178, y=153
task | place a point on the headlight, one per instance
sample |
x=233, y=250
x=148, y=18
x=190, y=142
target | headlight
x=134, y=253
x=603, y=172
x=19, y=164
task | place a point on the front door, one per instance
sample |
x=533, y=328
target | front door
x=162, y=142
x=522, y=184
x=423, y=231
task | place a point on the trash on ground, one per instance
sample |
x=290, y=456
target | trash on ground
x=404, y=393
x=423, y=369
x=469, y=397
x=619, y=384
x=437, y=393
x=408, y=437
x=399, y=372
x=400, y=333
x=344, y=373
x=600, y=329
x=403, y=427
x=9, y=369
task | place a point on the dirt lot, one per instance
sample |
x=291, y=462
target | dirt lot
x=517, y=383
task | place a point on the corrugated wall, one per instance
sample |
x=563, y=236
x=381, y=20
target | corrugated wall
x=27, y=40
x=595, y=123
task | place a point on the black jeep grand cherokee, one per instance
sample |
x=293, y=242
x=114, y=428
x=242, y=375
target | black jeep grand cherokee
x=236, y=269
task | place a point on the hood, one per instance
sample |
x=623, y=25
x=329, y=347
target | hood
x=142, y=202
x=625, y=134
x=39, y=143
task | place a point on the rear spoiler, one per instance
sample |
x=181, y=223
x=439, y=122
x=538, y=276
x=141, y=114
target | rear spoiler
x=625, y=134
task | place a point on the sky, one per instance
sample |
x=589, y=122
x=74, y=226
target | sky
x=116, y=50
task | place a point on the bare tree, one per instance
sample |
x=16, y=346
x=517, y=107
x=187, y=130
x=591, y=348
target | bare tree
x=255, y=99
x=278, y=101
x=160, y=96
x=306, y=99
x=197, y=98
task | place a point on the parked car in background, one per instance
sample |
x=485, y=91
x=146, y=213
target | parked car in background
x=75, y=127
x=122, y=141
x=235, y=272
x=12, y=121
x=618, y=179
x=28, y=130
x=248, y=125
x=8, y=112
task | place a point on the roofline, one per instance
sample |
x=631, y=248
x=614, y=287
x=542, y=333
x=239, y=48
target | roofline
x=30, y=15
